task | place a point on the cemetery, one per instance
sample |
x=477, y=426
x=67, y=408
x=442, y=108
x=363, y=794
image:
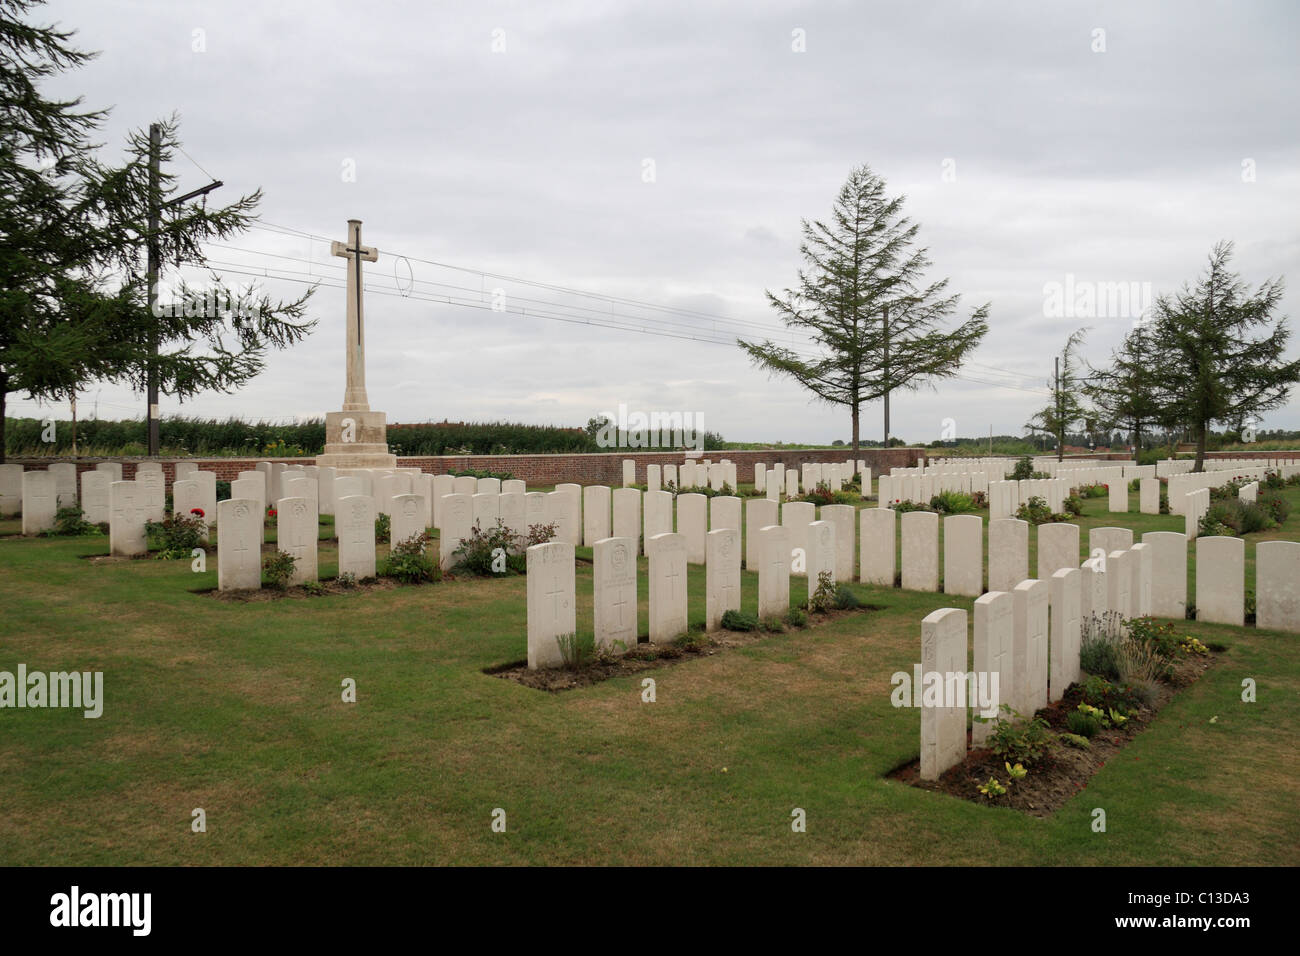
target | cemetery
x=374, y=647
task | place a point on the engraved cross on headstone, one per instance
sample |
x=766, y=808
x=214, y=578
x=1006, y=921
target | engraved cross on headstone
x=354, y=397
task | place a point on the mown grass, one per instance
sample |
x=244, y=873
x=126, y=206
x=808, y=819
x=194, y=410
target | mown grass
x=236, y=708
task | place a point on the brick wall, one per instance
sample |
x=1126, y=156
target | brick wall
x=598, y=469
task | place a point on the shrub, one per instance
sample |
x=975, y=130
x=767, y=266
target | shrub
x=347, y=580
x=772, y=625
x=314, y=588
x=796, y=617
x=1082, y=723
x=903, y=507
x=1073, y=505
x=1099, y=655
x=1277, y=507
x=176, y=536
x=845, y=599
x=1024, y=469
x=692, y=641
x=71, y=522
x=952, y=502
x=823, y=598
x=279, y=568
x=223, y=491
x=1074, y=740
x=479, y=553
x=409, y=561
x=1016, y=738
x=577, y=650
x=739, y=621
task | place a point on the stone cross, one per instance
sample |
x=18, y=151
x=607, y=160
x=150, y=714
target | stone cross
x=354, y=397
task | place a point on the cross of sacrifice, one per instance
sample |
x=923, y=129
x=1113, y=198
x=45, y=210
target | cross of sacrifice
x=354, y=399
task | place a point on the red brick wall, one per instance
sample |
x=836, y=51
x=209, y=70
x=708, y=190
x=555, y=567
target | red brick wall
x=599, y=469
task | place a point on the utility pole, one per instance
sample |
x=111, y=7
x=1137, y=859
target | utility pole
x=156, y=206
x=1060, y=438
x=885, y=366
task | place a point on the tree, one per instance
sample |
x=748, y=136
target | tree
x=1065, y=408
x=76, y=304
x=859, y=298
x=1123, y=394
x=1221, y=351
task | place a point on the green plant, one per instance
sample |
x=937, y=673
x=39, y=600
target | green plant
x=177, y=535
x=796, y=617
x=1036, y=511
x=1018, y=772
x=1077, y=741
x=409, y=561
x=347, y=580
x=383, y=527
x=486, y=553
x=279, y=568
x=992, y=788
x=71, y=522
x=1016, y=738
x=694, y=641
x=1073, y=505
x=314, y=588
x=739, y=621
x=952, y=502
x=1083, y=724
x=845, y=599
x=577, y=650
x=1024, y=469
x=823, y=598
x=772, y=625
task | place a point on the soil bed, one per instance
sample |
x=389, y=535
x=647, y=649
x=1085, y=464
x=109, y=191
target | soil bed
x=1064, y=770
x=646, y=656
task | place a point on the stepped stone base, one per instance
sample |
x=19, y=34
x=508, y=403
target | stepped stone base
x=362, y=444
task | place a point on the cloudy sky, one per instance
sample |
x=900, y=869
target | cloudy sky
x=660, y=156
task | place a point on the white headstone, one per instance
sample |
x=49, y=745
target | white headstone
x=239, y=545
x=154, y=489
x=692, y=524
x=560, y=511
x=354, y=522
x=457, y=523
x=114, y=468
x=614, y=604
x=920, y=552
x=943, y=651
x=1029, y=646
x=721, y=576
x=629, y=472
x=1065, y=599
x=844, y=517
x=759, y=513
x=994, y=634
x=1058, y=547
x=658, y=513
x=963, y=555
x=1220, y=580
x=297, y=527
x=95, y=504
x=407, y=519
x=821, y=554
x=1277, y=585
x=797, y=516
x=552, y=608
x=513, y=516
x=774, y=571
x=627, y=516
x=1149, y=496
x=442, y=485
x=487, y=509
x=595, y=514
x=126, y=532
x=879, y=545
x=1168, y=573
x=724, y=512
x=1008, y=553
x=65, y=482
x=187, y=495
x=668, y=559
x=40, y=501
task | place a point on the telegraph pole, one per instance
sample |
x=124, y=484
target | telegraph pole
x=156, y=206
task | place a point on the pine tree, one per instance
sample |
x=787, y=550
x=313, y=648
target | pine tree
x=1216, y=366
x=1123, y=393
x=860, y=300
x=1066, y=407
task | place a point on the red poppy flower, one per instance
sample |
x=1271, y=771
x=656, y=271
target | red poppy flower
x=197, y=511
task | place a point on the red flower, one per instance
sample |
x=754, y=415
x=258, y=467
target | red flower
x=197, y=511
x=271, y=512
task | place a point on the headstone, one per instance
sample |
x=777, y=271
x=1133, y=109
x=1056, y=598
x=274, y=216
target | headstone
x=658, y=513
x=126, y=531
x=759, y=513
x=821, y=554
x=629, y=472
x=774, y=572
x=465, y=485
x=1058, y=547
x=443, y=485
x=239, y=547
x=65, y=482
x=920, y=553
x=148, y=466
x=943, y=651
x=1221, y=580
x=40, y=501
x=251, y=484
x=325, y=490
x=1008, y=553
x=627, y=516
x=1119, y=583
x=760, y=476
x=297, y=527
x=994, y=633
x=1065, y=598
x=1109, y=539
x=11, y=490
x=513, y=516
x=95, y=504
x=963, y=555
x=671, y=477
x=407, y=519
x=488, y=486
x=487, y=509
x=724, y=512
x=879, y=546
x=797, y=516
x=844, y=517
x=354, y=521
x=514, y=486
x=614, y=604
x=653, y=478
x=1140, y=600
x=572, y=529
x=535, y=509
x=1149, y=496
x=691, y=524
x=552, y=608
x=207, y=481
x=560, y=512
x=1118, y=495
x=1277, y=585
x=791, y=484
x=721, y=576
x=1168, y=573
x=187, y=495
x=154, y=490
x=595, y=514
x=114, y=468
x=457, y=524
x=668, y=559
x=385, y=488
x=1029, y=646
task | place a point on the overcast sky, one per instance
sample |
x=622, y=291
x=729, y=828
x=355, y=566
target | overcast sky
x=515, y=139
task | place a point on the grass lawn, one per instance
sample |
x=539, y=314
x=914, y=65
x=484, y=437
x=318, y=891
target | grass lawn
x=236, y=708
